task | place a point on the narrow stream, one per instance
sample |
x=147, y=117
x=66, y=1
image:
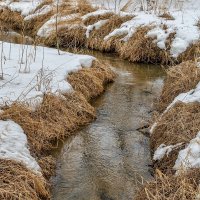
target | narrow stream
x=108, y=159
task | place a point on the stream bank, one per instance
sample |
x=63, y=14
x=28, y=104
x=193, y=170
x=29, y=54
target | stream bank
x=109, y=159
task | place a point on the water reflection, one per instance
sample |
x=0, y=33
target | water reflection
x=106, y=160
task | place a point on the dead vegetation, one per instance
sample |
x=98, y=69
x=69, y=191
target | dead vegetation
x=69, y=37
x=167, y=187
x=93, y=19
x=96, y=39
x=91, y=81
x=141, y=48
x=59, y=116
x=11, y=19
x=17, y=182
x=167, y=16
x=179, y=124
x=33, y=25
x=191, y=53
x=180, y=79
x=66, y=113
x=84, y=7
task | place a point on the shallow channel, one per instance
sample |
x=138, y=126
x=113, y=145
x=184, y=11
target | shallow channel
x=108, y=159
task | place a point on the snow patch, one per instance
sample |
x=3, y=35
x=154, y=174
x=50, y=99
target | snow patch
x=40, y=71
x=96, y=13
x=190, y=156
x=95, y=26
x=163, y=150
x=13, y=145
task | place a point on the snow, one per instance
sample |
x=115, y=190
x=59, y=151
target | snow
x=50, y=26
x=25, y=7
x=184, y=25
x=160, y=36
x=163, y=150
x=13, y=145
x=187, y=97
x=95, y=26
x=190, y=156
x=96, y=13
x=26, y=79
x=44, y=10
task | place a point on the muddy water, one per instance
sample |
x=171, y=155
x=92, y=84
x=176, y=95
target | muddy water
x=109, y=158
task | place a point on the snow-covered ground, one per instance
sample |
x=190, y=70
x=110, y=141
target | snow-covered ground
x=28, y=73
x=185, y=13
x=184, y=26
x=14, y=145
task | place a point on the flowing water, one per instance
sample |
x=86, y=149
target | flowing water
x=108, y=159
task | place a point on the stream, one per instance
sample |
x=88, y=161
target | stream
x=109, y=159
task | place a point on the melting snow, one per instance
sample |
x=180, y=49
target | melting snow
x=190, y=156
x=13, y=145
x=27, y=78
x=163, y=150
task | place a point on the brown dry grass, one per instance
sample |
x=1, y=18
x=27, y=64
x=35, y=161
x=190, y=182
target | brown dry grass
x=80, y=6
x=191, y=53
x=91, y=81
x=84, y=7
x=96, y=39
x=68, y=38
x=182, y=187
x=180, y=78
x=33, y=25
x=141, y=48
x=167, y=16
x=11, y=19
x=17, y=182
x=48, y=165
x=55, y=119
x=42, y=4
x=93, y=19
x=180, y=124
x=113, y=44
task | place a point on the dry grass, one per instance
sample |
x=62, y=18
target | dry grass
x=54, y=120
x=113, y=44
x=191, y=53
x=93, y=19
x=11, y=19
x=141, y=48
x=180, y=124
x=96, y=39
x=84, y=7
x=16, y=182
x=167, y=16
x=14, y=37
x=33, y=25
x=180, y=78
x=182, y=187
x=90, y=81
x=48, y=165
x=68, y=37
x=68, y=7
